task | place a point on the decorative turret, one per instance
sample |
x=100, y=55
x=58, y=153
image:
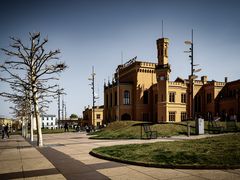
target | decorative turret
x=163, y=68
x=162, y=71
x=162, y=47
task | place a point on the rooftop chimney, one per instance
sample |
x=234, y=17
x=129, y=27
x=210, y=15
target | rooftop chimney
x=226, y=79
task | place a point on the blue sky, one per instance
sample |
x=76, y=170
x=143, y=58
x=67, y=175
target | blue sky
x=95, y=32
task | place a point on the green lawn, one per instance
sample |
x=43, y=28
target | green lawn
x=220, y=151
x=126, y=130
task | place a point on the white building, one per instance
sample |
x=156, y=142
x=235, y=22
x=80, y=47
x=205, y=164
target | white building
x=49, y=121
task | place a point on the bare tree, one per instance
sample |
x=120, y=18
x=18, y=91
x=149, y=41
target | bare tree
x=21, y=108
x=32, y=68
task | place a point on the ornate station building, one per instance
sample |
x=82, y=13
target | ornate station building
x=142, y=91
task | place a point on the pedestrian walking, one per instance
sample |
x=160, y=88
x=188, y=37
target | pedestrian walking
x=3, y=131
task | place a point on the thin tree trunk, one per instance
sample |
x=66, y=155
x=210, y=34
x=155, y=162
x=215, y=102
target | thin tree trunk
x=38, y=121
x=23, y=127
x=31, y=127
x=26, y=128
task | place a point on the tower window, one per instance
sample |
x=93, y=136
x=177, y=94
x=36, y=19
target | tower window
x=126, y=98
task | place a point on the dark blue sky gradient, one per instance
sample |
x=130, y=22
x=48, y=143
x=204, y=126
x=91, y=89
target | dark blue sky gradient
x=95, y=32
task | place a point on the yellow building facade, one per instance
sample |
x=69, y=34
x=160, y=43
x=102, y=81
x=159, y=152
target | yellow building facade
x=142, y=91
x=97, y=121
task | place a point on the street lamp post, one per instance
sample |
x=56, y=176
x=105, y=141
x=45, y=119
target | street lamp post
x=59, y=109
x=92, y=79
x=191, y=78
x=59, y=92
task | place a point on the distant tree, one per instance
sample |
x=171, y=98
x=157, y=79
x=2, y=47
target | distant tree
x=31, y=69
x=73, y=116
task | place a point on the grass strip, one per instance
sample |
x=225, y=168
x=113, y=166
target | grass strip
x=221, y=151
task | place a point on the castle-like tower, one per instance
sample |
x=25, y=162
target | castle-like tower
x=162, y=72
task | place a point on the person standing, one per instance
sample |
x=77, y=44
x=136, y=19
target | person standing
x=66, y=127
x=6, y=130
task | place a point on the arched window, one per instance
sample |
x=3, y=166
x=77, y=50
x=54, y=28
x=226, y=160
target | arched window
x=126, y=98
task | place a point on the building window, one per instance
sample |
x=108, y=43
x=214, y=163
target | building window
x=126, y=99
x=98, y=116
x=172, y=116
x=51, y=123
x=183, y=116
x=209, y=98
x=145, y=97
x=115, y=98
x=172, y=97
x=47, y=123
x=47, y=118
x=183, y=98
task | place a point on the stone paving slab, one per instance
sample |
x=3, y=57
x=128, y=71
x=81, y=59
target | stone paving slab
x=80, y=147
x=66, y=156
x=20, y=160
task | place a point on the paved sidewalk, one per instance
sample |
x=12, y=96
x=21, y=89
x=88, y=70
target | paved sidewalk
x=66, y=156
x=19, y=160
